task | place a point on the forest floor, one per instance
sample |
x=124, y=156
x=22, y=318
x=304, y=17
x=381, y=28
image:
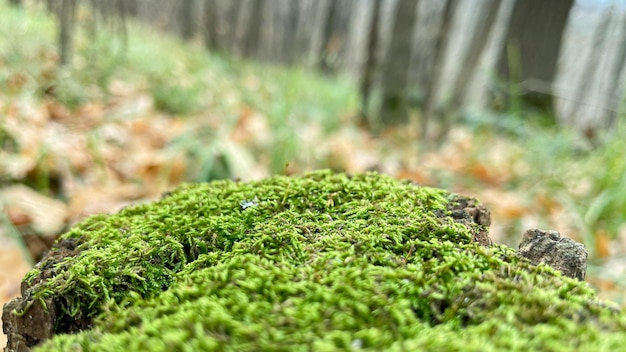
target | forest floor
x=119, y=129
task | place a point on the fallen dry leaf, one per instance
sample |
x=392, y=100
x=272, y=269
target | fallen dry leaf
x=13, y=267
x=47, y=215
x=603, y=244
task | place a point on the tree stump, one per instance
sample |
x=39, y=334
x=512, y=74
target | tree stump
x=322, y=261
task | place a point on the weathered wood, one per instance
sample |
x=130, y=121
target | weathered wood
x=395, y=106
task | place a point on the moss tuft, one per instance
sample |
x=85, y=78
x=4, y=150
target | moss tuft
x=318, y=262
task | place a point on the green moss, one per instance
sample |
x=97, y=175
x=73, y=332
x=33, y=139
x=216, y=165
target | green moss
x=319, y=262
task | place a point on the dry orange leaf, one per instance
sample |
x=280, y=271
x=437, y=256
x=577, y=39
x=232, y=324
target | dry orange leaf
x=602, y=244
x=48, y=215
x=512, y=211
x=16, y=82
x=546, y=202
x=56, y=111
x=418, y=176
x=484, y=174
x=602, y=284
x=17, y=216
x=140, y=126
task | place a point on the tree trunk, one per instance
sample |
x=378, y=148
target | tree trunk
x=131, y=7
x=66, y=31
x=395, y=105
x=335, y=33
x=369, y=69
x=276, y=30
x=123, y=10
x=289, y=40
x=616, y=89
x=303, y=30
x=252, y=35
x=592, y=65
x=50, y=6
x=321, y=9
x=441, y=49
x=186, y=18
x=478, y=41
x=531, y=50
x=211, y=17
x=266, y=29
x=227, y=24
x=241, y=18
x=354, y=53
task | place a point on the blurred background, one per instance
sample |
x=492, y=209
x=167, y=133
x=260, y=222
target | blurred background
x=519, y=103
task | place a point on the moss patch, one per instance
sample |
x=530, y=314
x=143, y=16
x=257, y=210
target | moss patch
x=318, y=262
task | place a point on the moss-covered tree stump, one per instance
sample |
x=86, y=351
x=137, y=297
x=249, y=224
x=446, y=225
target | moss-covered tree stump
x=314, y=263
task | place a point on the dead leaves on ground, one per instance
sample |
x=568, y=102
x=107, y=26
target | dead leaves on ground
x=95, y=150
x=108, y=154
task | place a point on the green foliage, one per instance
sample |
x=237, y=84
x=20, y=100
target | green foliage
x=603, y=207
x=586, y=178
x=589, y=181
x=324, y=262
x=209, y=158
x=100, y=55
x=14, y=233
x=293, y=99
x=182, y=79
x=7, y=142
x=67, y=89
x=27, y=38
x=174, y=99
